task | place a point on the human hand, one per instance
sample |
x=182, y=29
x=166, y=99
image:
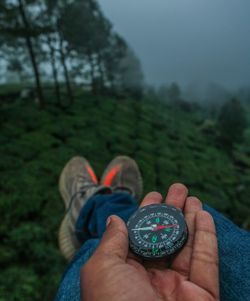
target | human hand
x=114, y=273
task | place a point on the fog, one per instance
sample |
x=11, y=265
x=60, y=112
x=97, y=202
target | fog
x=193, y=42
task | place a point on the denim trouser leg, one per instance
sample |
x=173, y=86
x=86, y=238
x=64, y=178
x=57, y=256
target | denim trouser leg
x=234, y=247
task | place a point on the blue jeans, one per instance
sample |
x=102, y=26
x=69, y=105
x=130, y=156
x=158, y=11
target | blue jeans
x=234, y=247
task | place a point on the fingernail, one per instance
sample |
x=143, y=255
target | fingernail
x=108, y=221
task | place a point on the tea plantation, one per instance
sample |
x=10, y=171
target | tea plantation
x=168, y=144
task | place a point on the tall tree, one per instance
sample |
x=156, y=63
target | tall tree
x=17, y=24
x=63, y=56
x=75, y=35
x=131, y=74
x=87, y=31
x=52, y=55
x=170, y=93
x=32, y=54
x=48, y=15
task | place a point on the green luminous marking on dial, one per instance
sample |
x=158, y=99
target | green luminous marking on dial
x=168, y=230
x=154, y=250
x=157, y=220
x=154, y=238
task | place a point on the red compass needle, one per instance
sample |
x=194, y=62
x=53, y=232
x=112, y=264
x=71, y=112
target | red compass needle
x=164, y=227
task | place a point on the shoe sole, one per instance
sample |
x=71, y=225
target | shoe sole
x=67, y=246
x=62, y=187
x=64, y=236
x=65, y=239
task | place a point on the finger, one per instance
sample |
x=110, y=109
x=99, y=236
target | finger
x=204, y=261
x=181, y=263
x=177, y=195
x=115, y=239
x=151, y=198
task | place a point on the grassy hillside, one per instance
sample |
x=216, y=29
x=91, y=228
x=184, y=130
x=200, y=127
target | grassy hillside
x=168, y=145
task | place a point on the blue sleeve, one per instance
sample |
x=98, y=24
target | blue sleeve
x=69, y=289
x=234, y=258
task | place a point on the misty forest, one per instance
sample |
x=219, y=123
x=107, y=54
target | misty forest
x=72, y=85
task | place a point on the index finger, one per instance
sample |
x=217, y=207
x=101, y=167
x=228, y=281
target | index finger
x=204, y=270
x=153, y=197
x=177, y=195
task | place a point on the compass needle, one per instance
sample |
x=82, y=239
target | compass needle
x=165, y=227
x=143, y=229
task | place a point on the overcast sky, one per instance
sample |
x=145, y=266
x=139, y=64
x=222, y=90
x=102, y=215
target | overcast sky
x=186, y=40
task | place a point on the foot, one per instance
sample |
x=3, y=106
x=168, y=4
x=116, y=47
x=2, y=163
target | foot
x=77, y=183
x=123, y=174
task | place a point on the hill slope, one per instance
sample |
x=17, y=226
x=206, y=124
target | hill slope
x=35, y=145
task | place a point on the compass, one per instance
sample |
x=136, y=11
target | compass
x=157, y=231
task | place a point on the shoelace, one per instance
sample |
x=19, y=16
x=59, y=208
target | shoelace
x=88, y=185
x=81, y=192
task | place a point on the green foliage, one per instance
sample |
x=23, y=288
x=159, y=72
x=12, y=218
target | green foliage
x=20, y=283
x=168, y=144
x=231, y=123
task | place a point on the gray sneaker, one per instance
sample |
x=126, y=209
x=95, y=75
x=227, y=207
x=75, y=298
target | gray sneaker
x=77, y=183
x=123, y=174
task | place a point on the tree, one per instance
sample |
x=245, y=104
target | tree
x=174, y=92
x=57, y=49
x=52, y=55
x=111, y=63
x=87, y=32
x=18, y=24
x=231, y=123
x=75, y=38
x=32, y=54
x=48, y=15
x=170, y=93
x=123, y=69
x=112, y=55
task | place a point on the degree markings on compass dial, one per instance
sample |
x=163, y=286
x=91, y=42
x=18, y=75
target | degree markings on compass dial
x=157, y=231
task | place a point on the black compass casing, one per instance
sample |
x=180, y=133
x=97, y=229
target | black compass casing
x=157, y=244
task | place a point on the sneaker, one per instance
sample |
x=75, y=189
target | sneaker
x=123, y=174
x=77, y=183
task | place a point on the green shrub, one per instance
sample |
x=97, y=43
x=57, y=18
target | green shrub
x=167, y=144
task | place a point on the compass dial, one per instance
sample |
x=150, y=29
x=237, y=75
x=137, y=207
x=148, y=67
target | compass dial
x=157, y=231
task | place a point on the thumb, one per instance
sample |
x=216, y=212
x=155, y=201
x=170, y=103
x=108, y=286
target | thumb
x=115, y=239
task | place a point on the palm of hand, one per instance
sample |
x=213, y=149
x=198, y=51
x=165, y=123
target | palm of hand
x=167, y=285
x=193, y=274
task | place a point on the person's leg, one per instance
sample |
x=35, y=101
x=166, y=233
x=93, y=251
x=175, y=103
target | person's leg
x=92, y=219
x=78, y=183
x=234, y=246
x=90, y=227
x=234, y=243
x=234, y=258
x=122, y=176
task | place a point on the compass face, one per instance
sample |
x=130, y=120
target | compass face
x=157, y=231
